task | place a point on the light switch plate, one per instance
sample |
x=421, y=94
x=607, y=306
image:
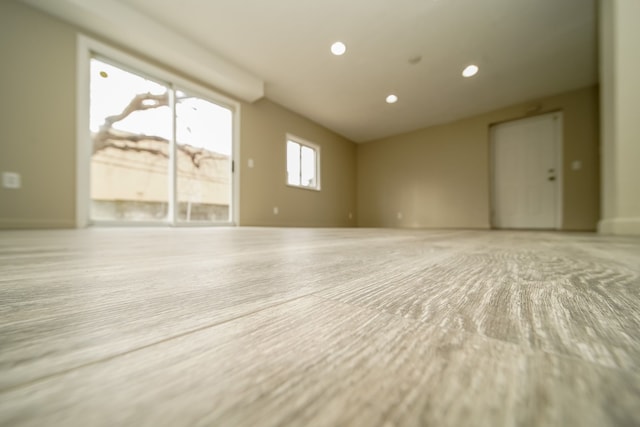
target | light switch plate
x=11, y=180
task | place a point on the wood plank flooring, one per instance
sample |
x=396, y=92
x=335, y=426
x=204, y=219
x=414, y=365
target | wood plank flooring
x=318, y=327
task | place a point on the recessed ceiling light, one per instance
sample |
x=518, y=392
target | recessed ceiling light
x=392, y=99
x=338, y=48
x=470, y=71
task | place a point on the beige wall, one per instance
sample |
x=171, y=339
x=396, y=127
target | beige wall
x=263, y=131
x=37, y=134
x=619, y=65
x=37, y=138
x=144, y=177
x=440, y=176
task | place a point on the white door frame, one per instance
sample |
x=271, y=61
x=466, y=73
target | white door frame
x=86, y=47
x=559, y=146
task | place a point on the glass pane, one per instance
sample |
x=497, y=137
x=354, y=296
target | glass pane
x=130, y=124
x=293, y=163
x=204, y=143
x=308, y=166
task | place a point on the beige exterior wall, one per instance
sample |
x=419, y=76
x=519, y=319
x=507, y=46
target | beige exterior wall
x=440, y=176
x=143, y=177
x=38, y=140
x=620, y=91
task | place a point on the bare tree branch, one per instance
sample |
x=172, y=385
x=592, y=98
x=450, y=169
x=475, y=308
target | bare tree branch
x=197, y=155
x=107, y=137
x=136, y=148
x=103, y=140
x=140, y=102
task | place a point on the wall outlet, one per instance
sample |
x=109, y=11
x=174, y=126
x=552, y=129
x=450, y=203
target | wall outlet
x=576, y=165
x=276, y=211
x=350, y=215
x=11, y=180
x=399, y=215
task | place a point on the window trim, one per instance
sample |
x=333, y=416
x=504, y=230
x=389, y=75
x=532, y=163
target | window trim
x=88, y=48
x=309, y=144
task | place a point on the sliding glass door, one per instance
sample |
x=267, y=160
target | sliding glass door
x=204, y=146
x=159, y=154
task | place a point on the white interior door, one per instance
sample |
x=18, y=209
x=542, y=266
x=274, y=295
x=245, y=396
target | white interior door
x=527, y=173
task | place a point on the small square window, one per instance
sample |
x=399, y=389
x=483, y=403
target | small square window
x=303, y=163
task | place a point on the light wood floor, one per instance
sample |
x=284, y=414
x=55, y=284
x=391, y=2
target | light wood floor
x=323, y=327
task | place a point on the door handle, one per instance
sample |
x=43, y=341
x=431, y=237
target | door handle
x=552, y=178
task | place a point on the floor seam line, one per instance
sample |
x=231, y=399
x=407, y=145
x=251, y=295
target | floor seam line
x=144, y=347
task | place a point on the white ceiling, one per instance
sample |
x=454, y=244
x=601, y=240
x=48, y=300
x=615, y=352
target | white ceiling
x=525, y=49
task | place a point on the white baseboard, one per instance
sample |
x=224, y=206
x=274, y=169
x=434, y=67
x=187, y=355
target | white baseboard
x=621, y=226
x=39, y=223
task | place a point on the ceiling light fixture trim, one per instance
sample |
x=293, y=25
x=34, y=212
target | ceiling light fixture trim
x=470, y=70
x=338, y=48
